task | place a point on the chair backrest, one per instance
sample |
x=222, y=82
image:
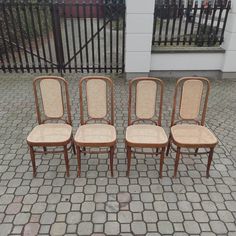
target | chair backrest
x=52, y=99
x=96, y=99
x=190, y=100
x=145, y=100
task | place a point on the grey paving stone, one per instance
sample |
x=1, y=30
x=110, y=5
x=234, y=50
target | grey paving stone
x=112, y=228
x=175, y=216
x=231, y=205
x=38, y=207
x=99, y=217
x=88, y=207
x=218, y=227
x=165, y=227
x=138, y=228
x=48, y=218
x=200, y=216
x=73, y=217
x=100, y=197
x=63, y=207
x=5, y=229
x=184, y=206
x=136, y=206
x=21, y=218
x=58, y=229
x=191, y=227
x=31, y=229
x=150, y=216
x=77, y=197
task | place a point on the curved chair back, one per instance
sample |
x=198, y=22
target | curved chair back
x=96, y=99
x=190, y=100
x=145, y=100
x=52, y=99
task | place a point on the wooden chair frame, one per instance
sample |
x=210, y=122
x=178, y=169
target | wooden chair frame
x=111, y=146
x=131, y=147
x=43, y=121
x=200, y=121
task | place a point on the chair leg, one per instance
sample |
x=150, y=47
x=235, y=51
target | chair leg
x=78, y=159
x=162, y=161
x=32, y=156
x=66, y=161
x=196, y=151
x=45, y=149
x=73, y=146
x=177, y=161
x=157, y=150
x=168, y=146
x=128, y=159
x=209, y=162
x=111, y=159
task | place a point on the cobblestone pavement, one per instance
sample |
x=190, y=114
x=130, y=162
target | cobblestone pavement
x=96, y=204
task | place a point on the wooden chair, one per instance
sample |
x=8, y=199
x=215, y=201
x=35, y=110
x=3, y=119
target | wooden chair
x=188, y=120
x=97, y=129
x=54, y=119
x=145, y=107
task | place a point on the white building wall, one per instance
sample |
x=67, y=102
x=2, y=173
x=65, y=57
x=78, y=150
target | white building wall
x=139, y=27
x=186, y=61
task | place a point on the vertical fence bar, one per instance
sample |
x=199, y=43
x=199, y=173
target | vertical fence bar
x=73, y=36
x=91, y=25
x=15, y=35
x=9, y=36
x=188, y=10
x=41, y=37
x=207, y=12
x=56, y=25
x=199, y=23
x=86, y=36
x=123, y=36
x=181, y=12
x=22, y=36
x=80, y=39
x=47, y=33
x=98, y=42
x=212, y=23
x=35, y=36
x=28, y=35
x=117, y=38
x=173, y=23
x=111, y=35
x=161, y=24
x=225, y=20
x=193, y=22
x=5, y=50
x=155, y=24
x=2, y=62
x=167, y=23
x=66, y=33
x=1, y=54
x=104, y=35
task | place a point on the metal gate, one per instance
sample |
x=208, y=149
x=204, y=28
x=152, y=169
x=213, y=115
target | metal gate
x=76, y=35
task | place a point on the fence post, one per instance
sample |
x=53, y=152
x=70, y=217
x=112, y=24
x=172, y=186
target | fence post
x=139, y=27
x=228, y=67
x=57, y=35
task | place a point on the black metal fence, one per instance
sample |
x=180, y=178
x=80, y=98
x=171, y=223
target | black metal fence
x=192, y=24
x=51, y=36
